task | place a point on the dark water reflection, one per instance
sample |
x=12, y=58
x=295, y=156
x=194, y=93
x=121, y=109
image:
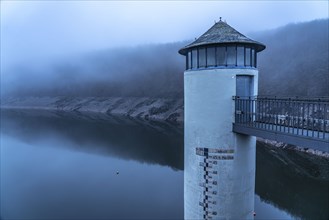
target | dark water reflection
x=293, y=181
x=119, y=137
x=64, y=166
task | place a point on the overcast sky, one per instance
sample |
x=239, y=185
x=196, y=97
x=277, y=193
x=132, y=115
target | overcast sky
x=39, y=29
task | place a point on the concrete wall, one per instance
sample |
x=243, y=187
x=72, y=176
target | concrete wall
x=219, y=172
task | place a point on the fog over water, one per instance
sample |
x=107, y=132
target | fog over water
x=73, y=47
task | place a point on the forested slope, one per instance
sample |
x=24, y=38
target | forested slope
x=295, y=63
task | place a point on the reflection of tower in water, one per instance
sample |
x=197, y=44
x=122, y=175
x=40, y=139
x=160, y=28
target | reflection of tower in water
x=219, y=167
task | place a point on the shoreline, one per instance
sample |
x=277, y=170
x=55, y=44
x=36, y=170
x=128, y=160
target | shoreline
x=158, y=109
x=284, y=146
x=148, y=109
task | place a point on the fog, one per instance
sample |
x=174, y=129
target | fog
x=113, y=48
x=296, y=60
x=33, y=30
x=132, y=71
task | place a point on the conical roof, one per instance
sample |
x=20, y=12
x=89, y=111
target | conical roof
x=222, y=33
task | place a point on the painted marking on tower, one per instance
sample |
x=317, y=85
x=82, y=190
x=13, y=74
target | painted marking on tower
x=208, y=167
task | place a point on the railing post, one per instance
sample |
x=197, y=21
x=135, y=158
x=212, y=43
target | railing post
x=319, y=125
x=307, y=118
x=298, y=116
x=324, y=121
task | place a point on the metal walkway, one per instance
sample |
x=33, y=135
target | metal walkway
x=297, y=121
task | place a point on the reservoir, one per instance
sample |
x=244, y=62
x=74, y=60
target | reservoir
x=90, y=166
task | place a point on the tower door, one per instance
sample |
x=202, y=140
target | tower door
x=244, y=104
x=244, y=86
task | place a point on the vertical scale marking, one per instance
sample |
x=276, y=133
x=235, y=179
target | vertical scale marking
x=209, y=172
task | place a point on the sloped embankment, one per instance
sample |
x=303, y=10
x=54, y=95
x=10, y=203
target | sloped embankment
x=145, y=108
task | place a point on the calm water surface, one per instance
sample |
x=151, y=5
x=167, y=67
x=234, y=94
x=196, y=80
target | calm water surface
x=71, y=166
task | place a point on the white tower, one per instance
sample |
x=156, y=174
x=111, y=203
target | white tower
x=219, y=172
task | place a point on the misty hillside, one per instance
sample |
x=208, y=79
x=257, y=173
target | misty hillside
x=295, y=63
x=141, y=71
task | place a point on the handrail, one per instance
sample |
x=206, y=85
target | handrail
x=294, y=115
x=288, y=98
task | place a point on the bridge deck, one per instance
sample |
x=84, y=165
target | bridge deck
x=296, y=121
x=304, y=138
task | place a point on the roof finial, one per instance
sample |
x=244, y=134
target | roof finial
x=220, y=18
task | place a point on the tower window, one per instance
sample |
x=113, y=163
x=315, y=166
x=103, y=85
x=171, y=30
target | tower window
x=221, y=56
x=240, y=56
x=211, y=56
x=202, y=57
x=229, y=55
x=194, y=59
x=189, y=60
x=247, y=57
x=253, y=58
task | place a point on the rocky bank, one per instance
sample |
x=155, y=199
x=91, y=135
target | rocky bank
x=137, y=107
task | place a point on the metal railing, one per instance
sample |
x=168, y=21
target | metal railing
x=297, y=116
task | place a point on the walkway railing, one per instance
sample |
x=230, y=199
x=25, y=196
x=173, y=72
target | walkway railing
x=304, y=117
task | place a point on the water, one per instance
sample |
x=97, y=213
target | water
x=71, y=166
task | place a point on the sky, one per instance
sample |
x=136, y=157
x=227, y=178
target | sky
x=39, y=30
